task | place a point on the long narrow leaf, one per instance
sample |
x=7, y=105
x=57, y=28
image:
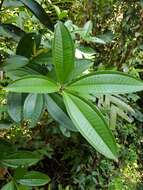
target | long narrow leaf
x=15, y=106
x=34, y=178
x=20, y=159
x=11, y=31
x=33, y=84
x=91, y=124
x=15, y=62
x=32, y=109
x=39, y=12
x=21, y=72
x=6, y=148
x=106, y=82
x=56, y=108
x=63, y=52
x=9, y=186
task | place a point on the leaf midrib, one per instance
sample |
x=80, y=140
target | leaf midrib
x=95, y=132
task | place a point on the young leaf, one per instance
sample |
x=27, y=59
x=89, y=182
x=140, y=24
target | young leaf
x=32, y=109
x=106, y=82
x=28, y=44
x=57, y=110
x=34, y=178
x=91, y=124
x=63, y=52
x=33, y=84
x=20, y=159
x=9, y=186
x=39, y=12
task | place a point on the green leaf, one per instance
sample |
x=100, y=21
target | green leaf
x=11, y=31
x=43, y=70
x=63, y=52
x=81, y=65
x=91, y=124
x=106, y=82
x=113, y=117
x=12, y=3
x=33, y=84
x=6, y=148
x=58, y=11
x=21, y=72
x=3, y=108
x=141, y=3
x=57, y=110
x=87, y=29
x=33, y=108
x=15, y=106
x=65, y=131
x=123, y=115
x=28, y=44
x=22, y=187
x=42, y=58
x=107, y=37
x=9, y=186
x=97, y=40
x=19, y=172
x=15, y=62
x=39, y=12
x=34, y=178
x=120, y=103
x=20, y=159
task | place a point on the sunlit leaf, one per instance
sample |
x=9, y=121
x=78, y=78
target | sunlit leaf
x=63, y=52
x=91, y=124
x=106, y=82
x=33, y=84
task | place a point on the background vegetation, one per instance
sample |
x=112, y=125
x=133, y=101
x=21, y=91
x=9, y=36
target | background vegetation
x=110, y=34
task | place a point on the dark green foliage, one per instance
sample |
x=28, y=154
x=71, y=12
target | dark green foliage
x=33, y=41
x=39, y=12
x=12, y=31
x=56, y=88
